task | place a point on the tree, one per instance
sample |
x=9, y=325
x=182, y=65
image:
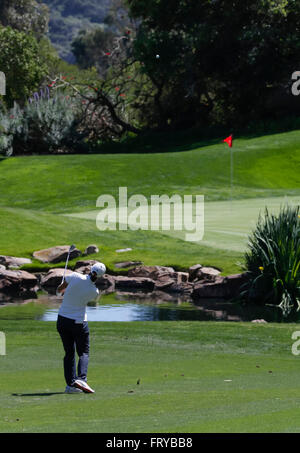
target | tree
x=21, y=64
x=90, y=49
x=25, y=15
x=219, y=60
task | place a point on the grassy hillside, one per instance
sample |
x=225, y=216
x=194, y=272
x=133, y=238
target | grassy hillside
x=266, y=166
x=38, y=191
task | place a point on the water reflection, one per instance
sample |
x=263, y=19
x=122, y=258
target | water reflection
x=140, y=307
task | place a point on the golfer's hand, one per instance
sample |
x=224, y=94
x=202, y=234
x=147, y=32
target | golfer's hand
x=61, y=289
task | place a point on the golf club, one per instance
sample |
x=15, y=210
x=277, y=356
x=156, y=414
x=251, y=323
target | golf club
x=72, y=247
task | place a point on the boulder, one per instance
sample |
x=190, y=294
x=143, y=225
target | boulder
x=208, y=274
x=171, y=286
x=150, y=271
x=193, y=271
x=164, y=282
x=182, y=288
x=17, y=282
x=222, y=288
x=2, y=268
x=12, y=262
x=106, y=283
x=56, y=254
x=84, y=266
x=53, y=279
x=235, y=281
x=91, y=249
x=165, y=278
x=182, y=277
x=137, y=283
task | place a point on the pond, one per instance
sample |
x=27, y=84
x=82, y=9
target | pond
x=140, y=307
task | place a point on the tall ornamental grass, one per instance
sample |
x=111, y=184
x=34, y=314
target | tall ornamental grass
x=273, y=260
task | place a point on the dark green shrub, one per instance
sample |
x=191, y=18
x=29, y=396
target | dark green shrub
x=273, y=260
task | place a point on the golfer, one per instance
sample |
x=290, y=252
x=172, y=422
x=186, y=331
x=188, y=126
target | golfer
x=78, y=290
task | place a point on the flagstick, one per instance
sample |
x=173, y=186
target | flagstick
x=231, y=177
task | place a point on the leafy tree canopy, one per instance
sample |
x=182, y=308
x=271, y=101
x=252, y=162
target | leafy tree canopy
x=221, y=59
x=20, y=62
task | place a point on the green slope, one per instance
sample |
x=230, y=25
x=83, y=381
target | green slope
x=267, y=166
x=38, y=191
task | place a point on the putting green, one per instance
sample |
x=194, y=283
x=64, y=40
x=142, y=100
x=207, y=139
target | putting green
x=227, y=224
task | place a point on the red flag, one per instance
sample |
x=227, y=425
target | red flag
x=229, y=140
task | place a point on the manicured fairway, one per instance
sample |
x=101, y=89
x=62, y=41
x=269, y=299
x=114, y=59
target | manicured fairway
x=194, y=377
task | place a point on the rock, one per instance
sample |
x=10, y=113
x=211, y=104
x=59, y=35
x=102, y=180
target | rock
x=13, y=262
x=209, y=272
x=90, y=250
x=206, y=273
x=235, y=281
x=150, y=271
x=209, y=290
x=164, y=282
x=2, y=268
x=182, y=288
x=16, y=282
x=193, y=271
x=29, y=293
x=182, y=277
x=138, y=283
x=106, y=283
x=165, y=278
x=84, y=266
x=127, y=264
x=56, y=254
x=223, y=287
x=53, y=279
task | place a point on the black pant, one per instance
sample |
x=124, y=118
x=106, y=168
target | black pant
x=74, y=335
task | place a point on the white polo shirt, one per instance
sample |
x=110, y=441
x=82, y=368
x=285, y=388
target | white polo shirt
x=79, y=292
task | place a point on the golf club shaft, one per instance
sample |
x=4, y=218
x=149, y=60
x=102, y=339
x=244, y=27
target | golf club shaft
x=63, y=279
x=72, y=247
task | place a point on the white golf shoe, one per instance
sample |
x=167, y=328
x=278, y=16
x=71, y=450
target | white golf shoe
x=70, y=389
x=82, y=385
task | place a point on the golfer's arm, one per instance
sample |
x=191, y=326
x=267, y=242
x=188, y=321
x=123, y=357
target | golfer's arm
x=62, y=287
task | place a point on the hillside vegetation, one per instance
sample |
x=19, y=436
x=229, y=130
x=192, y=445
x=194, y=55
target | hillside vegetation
x=68, y=17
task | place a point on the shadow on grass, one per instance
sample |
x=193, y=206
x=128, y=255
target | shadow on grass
x=38, y=394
